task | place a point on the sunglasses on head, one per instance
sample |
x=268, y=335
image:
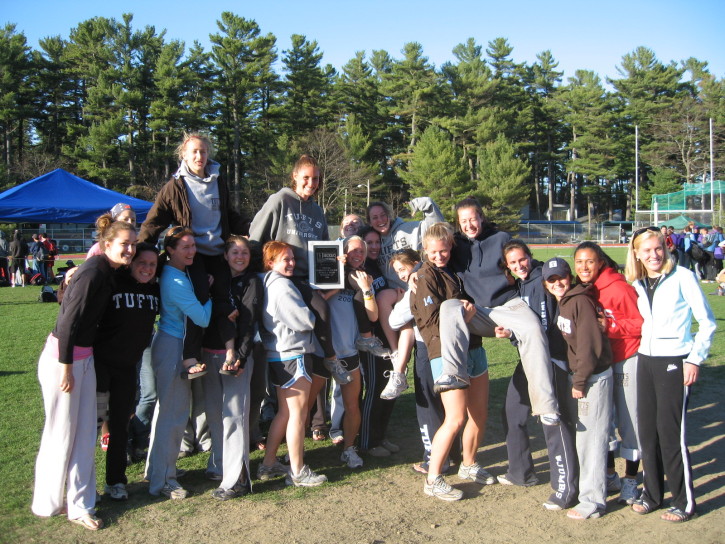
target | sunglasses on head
x=175, y=231
x=643, y=230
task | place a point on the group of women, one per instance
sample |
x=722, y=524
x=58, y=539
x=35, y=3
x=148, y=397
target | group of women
x=623, y=357
x=213, y=301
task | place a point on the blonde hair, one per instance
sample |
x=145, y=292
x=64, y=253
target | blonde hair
x=634, y=269
x=194, y=136
x=354, y=237
x=438, y=231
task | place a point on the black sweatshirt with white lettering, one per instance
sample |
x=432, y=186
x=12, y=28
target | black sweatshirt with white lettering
x=127, y=324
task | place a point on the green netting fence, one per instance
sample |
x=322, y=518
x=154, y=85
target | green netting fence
x=693, y=196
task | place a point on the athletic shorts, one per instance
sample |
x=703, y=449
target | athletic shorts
x=351, y=363
x=284, y=374
x=477, y=364
x=318, y=367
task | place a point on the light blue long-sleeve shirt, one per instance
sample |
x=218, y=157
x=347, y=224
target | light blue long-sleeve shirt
x=178, y=302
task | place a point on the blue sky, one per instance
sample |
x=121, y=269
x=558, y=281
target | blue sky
x=593, y=37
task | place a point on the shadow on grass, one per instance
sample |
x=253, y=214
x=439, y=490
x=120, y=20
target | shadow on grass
x=11, y=372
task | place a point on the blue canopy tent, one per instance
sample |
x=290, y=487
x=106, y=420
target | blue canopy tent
x=61, y=197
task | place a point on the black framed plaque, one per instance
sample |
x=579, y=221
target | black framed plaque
x=326, y=270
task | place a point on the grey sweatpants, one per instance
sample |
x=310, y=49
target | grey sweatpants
x=533, y=347
x=172, y=412
x=625, y=410
x=226, y=400
x=593, y=421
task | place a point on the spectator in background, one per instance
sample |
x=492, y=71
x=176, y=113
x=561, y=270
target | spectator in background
x=4, y=253
x=18, y=254
x=683, y=247
x=33, y=249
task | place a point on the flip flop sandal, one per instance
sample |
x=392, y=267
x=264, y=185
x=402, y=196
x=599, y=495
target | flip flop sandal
x=88, y=521
x=575, y=514
x=186, y=375
x=421, y=468
x=644, y=507
x=228, y=372
x=679, y=515
x=318, y=435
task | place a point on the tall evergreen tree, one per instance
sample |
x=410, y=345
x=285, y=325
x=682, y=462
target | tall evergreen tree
x=307, y=102
x=243, y=57
x=437, y=169
x=16, y=94
x=502, y=187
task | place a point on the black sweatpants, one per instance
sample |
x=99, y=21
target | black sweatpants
x=121, y=386
x=428, y=405
x=199, y=271
x=560, y=439
x=375, y=411
x=661, y=409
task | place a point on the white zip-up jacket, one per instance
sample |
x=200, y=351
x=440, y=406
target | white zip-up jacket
x=666, y=328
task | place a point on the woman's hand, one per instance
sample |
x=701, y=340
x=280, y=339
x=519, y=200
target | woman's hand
x=469, y=310
x=576, y=394
x=233, y=316
x=690, y=373
x=413, y=282
x=66, y=378
x=363, y=279
x=501, y=332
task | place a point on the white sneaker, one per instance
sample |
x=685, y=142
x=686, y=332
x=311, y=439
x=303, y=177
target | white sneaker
x=550, y=419
x=442, y=490
x=614, y=483
x=372, y=345
x=476, y=473
x=629, y=493
x=338, y=371
x=175, y=492
x=306, y=478
x=265, y=472
x=116, y=492
x=396, y=385
x=351, y=457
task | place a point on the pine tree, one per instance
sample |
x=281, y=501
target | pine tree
x=307, y=103
x=437, y=169
x=243, y=58
x=16, y=95
x=502, y=188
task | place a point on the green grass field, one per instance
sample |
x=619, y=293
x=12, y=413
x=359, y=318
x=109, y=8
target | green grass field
x=26, y=324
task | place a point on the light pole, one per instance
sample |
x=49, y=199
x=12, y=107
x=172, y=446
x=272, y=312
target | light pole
x=367, y=184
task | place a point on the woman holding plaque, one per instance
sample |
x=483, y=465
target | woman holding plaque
x=291, y=215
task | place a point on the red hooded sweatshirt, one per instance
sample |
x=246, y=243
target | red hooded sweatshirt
x=619, y=301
